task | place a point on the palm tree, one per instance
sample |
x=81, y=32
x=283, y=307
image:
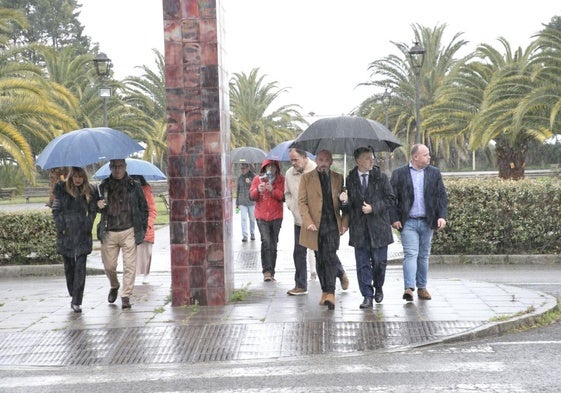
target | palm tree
x=544, y=101
x=253, y=121
x=30, y=111
x=480, y=103
x=147, y=93
x=396, y=72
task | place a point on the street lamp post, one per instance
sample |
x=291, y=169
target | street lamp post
x=417, y=56
x=386, y=99
x=103, y=69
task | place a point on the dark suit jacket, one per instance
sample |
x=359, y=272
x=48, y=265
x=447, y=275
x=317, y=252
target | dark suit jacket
x=436, y=199
x=369, y=230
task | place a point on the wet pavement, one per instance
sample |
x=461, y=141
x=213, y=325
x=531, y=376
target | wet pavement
x=37, y=326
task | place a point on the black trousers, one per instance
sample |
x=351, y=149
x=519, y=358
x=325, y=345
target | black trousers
x=269, y=231
x=327, y=261
x=75, y=272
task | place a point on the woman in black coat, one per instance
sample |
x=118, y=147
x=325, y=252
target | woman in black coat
x=74, y=210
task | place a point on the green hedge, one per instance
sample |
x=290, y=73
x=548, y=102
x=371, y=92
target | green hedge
x=485, y=217
x=28, y=238
x=492, y=216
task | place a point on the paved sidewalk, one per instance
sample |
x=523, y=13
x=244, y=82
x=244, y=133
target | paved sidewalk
x=37, y=326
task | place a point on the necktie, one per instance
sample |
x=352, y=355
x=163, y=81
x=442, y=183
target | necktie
x=325, y=183
x=363, y=183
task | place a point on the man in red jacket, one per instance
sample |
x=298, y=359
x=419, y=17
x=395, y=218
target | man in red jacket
x=267, y=190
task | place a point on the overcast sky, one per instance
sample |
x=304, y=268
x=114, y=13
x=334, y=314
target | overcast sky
x=319, y=49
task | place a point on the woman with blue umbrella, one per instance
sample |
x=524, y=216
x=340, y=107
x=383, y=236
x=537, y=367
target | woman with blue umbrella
x=74, y=211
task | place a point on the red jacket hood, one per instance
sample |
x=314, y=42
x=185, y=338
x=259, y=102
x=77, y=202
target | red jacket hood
x=267, y=162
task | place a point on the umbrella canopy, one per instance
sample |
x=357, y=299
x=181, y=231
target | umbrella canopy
x=85, y=147
x=280, y=152
x=344, y=134
x=247, y=155
x=134, y=167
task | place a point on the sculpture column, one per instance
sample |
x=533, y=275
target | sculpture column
x=198, y=154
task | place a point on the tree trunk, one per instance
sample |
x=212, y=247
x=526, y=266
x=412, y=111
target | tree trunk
x=511, y=160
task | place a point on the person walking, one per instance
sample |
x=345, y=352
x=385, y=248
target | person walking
x=267, y=190
x=368, y=200
x=74, y=211
x=244, y=203
x=300, y=164
x=422, y=207
x=144, y=249
x=322, y=222
x=124, y=219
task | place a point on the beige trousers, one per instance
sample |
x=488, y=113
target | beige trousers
x=114, y=243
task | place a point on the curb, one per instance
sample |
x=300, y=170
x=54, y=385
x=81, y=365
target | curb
x=542, y=259
x=539, y=259
x=40, y=270
x=526, y=320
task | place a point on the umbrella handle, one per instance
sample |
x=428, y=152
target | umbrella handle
x=345, y=172
x=98, y=190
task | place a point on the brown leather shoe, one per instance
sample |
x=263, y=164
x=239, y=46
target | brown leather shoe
x=422, y=293
x=408, y=295
x=330, y=301
x=323, y=296
x=125, y=303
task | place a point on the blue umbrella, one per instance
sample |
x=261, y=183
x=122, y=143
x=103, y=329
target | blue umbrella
x=85, y=147
x=280, y=152
x=134, y=167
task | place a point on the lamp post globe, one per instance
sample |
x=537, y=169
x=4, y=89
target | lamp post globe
x=103, y=67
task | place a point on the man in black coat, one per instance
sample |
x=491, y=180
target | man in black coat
x=422, y=207
x=368, y=202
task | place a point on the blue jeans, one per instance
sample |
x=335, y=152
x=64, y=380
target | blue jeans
x=416, y=239
x=371, y=269
x=269, y=231
x=300, y=262
x=248, y=212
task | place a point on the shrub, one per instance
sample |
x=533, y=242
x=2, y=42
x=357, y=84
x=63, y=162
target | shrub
x=493, y=216
x=27, y=238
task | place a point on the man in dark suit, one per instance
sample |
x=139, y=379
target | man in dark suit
x=422, y=207
x=322, y=223
x=368, y=201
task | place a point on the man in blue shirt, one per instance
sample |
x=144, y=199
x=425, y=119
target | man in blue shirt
x=422, y=207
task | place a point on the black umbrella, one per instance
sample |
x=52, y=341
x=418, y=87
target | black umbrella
x=247, y=155
x=344, y=134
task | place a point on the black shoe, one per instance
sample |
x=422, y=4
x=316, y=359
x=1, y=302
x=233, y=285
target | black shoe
x=379, y=296
x=366, y=303
x=244, y=239
x=125, y=303
x=76, y=308
x=112, y=295
x=252, y=237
